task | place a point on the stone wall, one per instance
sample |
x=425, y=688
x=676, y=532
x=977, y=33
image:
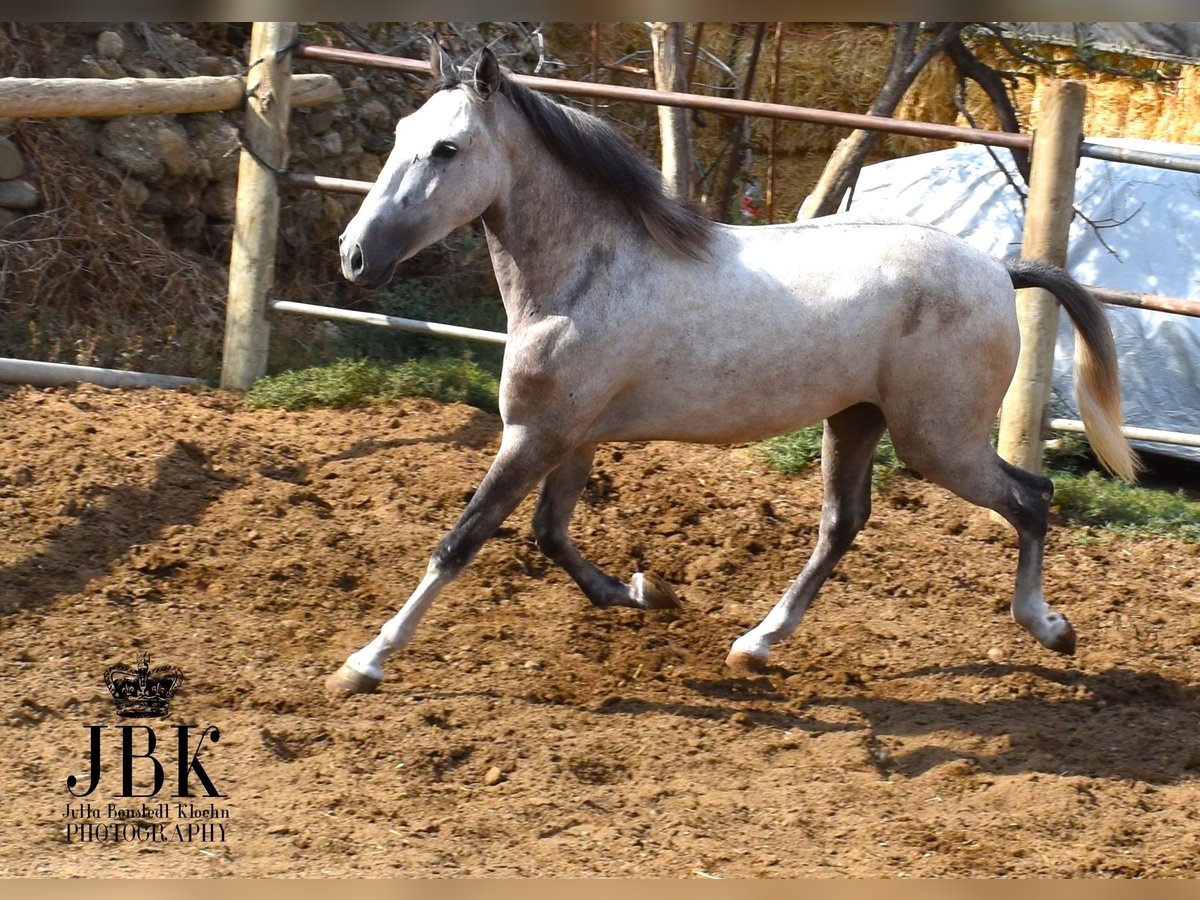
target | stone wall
x=17, y=195
x=180, y=172
x=148, y=196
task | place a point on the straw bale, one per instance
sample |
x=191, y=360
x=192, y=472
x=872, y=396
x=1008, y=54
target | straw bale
x=1116, y=106
x=1180, y=120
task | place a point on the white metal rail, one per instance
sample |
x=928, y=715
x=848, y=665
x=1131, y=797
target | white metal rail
x=394, y=322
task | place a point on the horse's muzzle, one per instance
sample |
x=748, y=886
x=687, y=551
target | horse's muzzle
x=355, y=266
x=354, y=262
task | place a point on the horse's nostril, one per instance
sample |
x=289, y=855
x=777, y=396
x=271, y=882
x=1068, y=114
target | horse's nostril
x=357, y=263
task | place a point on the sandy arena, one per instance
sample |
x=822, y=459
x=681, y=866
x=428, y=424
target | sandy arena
x=910, y=728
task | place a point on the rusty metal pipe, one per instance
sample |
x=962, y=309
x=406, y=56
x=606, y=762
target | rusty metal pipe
x=1146, y=301
x=724, y=105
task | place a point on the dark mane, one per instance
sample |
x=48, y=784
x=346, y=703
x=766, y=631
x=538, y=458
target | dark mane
x=596, y=151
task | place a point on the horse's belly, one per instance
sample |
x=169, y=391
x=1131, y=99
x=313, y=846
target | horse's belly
x=723, y=407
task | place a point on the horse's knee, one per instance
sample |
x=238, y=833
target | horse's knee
x=840, y=525
x=454, y=553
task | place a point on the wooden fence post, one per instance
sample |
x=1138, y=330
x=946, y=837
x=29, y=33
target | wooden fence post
x=1049, y=209
x=256, y=226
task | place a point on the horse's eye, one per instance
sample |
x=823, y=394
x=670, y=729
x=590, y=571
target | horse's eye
x=444, y=149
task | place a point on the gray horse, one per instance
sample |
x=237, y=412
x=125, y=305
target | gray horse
x=633, y=318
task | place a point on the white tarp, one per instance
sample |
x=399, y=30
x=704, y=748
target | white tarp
x=1150, y=221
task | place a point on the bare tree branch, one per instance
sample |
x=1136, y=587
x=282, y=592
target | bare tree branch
x=992, y=82
x=726, y=195
x=847, y=159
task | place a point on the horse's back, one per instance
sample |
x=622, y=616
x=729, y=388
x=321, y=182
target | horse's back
x=879, y=282
x=887, y=255
x=788, y=324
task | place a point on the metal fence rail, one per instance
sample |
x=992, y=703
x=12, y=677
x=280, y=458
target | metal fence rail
x=45, y=374
x=1110, y=153
x=730, y=106
x=396, y=323
x=726, y=105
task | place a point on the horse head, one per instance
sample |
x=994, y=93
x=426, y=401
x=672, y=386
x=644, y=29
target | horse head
x=443, y=171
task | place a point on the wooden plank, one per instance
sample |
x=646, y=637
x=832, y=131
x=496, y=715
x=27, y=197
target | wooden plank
x=315, y=90
x=256, y=224
x=1048, y=212
x=47, y=98
x=1150, y=435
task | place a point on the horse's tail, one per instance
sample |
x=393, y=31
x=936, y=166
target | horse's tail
x=1096, y=387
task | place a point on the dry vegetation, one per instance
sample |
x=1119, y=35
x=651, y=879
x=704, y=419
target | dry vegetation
x=85, y=279
x=90, y=285
x=1163, y=105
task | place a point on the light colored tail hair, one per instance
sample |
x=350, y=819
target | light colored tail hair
x=1096, y=388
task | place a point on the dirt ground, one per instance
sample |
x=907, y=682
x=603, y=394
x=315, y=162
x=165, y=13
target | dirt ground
x=908, y=729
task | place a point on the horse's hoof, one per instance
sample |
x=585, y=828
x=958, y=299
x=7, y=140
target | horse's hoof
x=1064, y=642
x=346, y=681
x=746, y=663
x=654, y=593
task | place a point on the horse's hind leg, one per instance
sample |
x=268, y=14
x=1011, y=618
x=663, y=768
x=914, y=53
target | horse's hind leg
x=847, y=453
x=974, y=472
x=1027, y=508
x=559, y=494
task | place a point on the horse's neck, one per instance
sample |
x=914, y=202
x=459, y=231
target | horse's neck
x=543, y=230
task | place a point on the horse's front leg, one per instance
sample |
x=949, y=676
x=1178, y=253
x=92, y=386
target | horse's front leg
x=524, y=458
x=560, y=492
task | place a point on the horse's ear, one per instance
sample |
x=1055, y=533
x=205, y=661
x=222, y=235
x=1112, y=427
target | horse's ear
x=486, y=77
x=440, y=63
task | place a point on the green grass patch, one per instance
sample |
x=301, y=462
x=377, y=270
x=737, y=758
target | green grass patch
x=1088, y=497
x=793, y=453
x=1099, y=500
x=359, y=382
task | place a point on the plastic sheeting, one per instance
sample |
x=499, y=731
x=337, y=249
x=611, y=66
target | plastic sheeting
x=1153, y=40
x=1144, y=235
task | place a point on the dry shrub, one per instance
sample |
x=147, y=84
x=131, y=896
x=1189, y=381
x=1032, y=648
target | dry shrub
x=87, y=280
x=83, y=282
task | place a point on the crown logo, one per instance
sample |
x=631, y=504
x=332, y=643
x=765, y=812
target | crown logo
x=143, y=693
